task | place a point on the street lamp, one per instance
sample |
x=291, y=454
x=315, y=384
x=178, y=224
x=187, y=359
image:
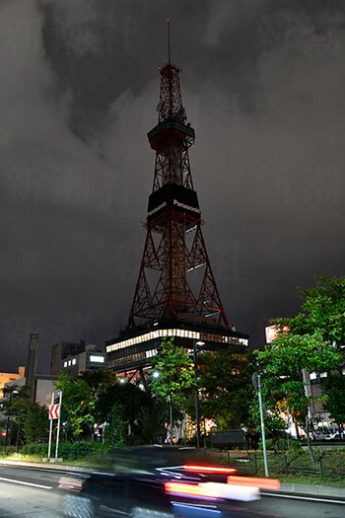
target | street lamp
x=11, y=393
x=196, y=390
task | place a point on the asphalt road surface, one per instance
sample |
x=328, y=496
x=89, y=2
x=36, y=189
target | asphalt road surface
x=32, y=492
x=21, y=497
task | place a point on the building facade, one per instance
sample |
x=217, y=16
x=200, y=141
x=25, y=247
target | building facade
x=76, y=358
x=6, y=377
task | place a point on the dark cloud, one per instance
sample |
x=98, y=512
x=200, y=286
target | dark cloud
x=263, y=84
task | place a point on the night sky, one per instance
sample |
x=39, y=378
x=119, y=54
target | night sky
x=263, y=85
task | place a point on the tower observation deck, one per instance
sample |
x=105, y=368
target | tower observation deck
x=176, y=293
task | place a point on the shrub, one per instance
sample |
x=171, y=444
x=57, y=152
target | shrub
x=35, y=448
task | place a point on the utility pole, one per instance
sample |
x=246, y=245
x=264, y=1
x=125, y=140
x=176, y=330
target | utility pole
x=256, y=379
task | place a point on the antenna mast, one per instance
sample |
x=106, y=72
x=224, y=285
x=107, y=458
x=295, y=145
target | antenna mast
x=169, y=54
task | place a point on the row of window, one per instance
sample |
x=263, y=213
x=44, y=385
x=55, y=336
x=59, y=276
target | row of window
x=179, y=333
x=314, y=375
x=68, y=363
x=125, y=360
x=93, y=358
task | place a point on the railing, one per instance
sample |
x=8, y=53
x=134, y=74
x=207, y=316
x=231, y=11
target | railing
x=328, y=465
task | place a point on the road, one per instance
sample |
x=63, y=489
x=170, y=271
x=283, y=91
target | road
x=28, y=493
x=32, y=492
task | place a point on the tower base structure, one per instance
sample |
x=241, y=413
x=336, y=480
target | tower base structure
x=132, y=351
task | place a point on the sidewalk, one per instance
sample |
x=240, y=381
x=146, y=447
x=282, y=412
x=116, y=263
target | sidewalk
x=311, y=490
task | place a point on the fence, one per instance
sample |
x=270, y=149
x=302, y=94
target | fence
x=328, y=465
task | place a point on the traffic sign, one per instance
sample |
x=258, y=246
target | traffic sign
x=54, y=411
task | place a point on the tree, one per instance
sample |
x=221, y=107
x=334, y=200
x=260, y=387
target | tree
x=35, y=423
x=16, y=402
x=283, y=362
x=131, y=414
x=176, y=372
x=308, y=342
x=99, y=398
x=324, y=309
x=28, y=421
x=77, y=406
x=334, y=388
x=225, y=386
x=176, y=377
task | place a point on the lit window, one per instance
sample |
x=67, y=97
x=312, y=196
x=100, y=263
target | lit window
x=181, y=333
x=97, y=359
x=69, y=362
x=313, y=376
x=323, y=374
x=74, y=361
x=65, y=364
x=151, y=353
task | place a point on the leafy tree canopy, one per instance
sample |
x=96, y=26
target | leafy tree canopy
x=77, y=405
x=176, y=373
x=225, y=386
x=322, y=310
x=304, y=343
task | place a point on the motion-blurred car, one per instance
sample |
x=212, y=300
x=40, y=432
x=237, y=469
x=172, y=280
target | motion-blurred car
x=197, y=491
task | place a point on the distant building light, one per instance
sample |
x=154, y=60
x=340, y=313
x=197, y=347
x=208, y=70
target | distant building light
x=96, y=359
x=313, y=376
x=65, y=364
x=343, y=371
x=323, y=374
x=150, y=353
x=74, y=361
x=272, y=333
x=69, y=362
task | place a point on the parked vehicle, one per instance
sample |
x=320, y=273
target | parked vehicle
x=332, y=436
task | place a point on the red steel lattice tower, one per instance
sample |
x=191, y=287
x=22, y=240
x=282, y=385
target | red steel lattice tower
x=175, y=280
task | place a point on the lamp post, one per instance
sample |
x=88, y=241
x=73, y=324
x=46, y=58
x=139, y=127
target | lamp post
x=11, y=393
x=196, y=391
x=257, y=383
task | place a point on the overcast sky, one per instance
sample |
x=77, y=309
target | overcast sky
x=263, y=85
